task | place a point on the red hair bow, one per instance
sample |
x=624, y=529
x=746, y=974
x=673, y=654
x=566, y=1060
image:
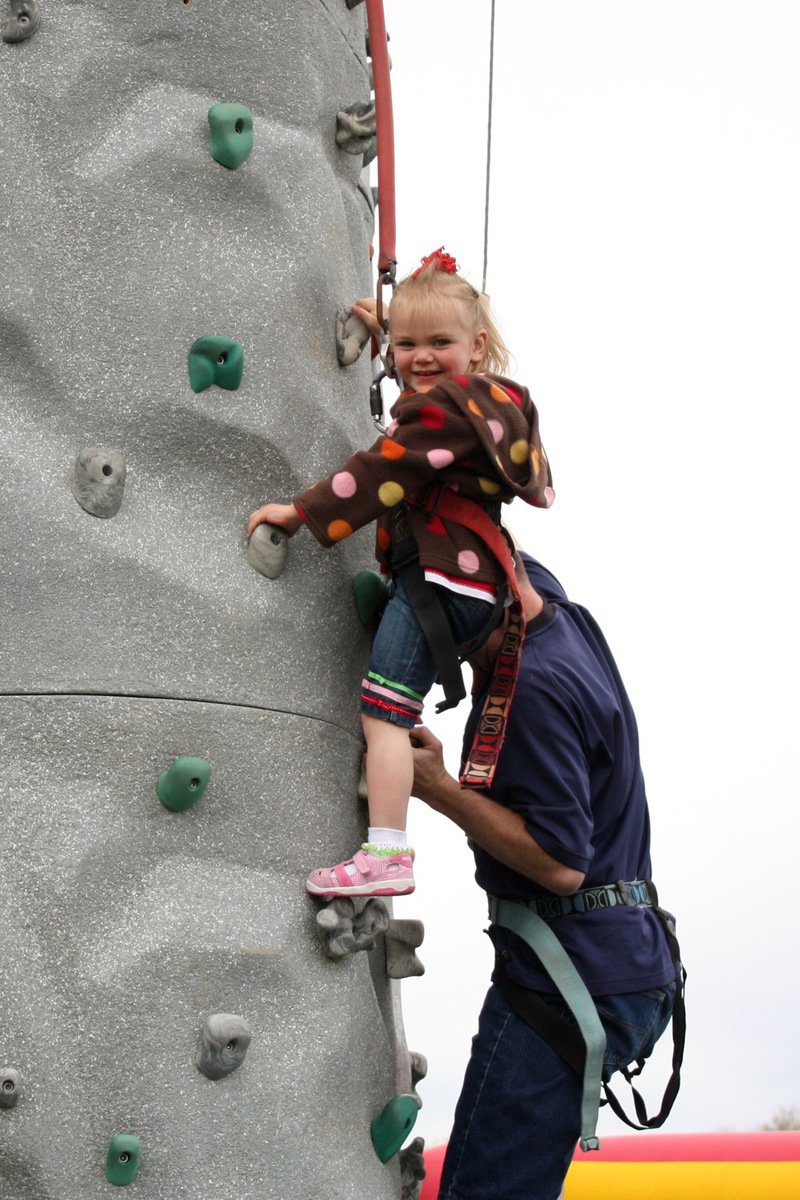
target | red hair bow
x=440, y=260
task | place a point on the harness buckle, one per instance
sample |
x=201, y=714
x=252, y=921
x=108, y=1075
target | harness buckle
x=629, y=893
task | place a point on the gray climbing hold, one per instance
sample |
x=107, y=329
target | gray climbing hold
x=344, y=931
x=23, y=20
x=419, y=1069
x=224, y=1040
x=412, y=1169
x=98, y=481
x=9, y=1087
x=267, y=550
x=402, y=939
x=356, y=130
x=352, y=336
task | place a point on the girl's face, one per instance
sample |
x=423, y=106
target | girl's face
x=430, y=349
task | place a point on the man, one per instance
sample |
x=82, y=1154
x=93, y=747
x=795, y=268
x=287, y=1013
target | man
x=566, y=815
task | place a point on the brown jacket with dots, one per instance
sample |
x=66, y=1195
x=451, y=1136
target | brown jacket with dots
x=476, y=434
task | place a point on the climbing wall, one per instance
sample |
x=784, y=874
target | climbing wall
x=179, y=738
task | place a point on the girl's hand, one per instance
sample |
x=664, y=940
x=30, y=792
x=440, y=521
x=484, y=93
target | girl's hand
x=367, y=312
x=284, y=515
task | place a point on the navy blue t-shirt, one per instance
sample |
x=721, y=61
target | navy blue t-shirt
x=570, y=766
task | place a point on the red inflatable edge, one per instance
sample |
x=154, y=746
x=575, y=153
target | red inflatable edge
x=767, y=1146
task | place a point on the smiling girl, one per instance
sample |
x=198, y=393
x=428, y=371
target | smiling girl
x=462, y=441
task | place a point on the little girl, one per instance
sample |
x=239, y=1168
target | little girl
x=460, y=442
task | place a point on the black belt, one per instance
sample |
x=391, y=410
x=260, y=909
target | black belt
x=636, y=894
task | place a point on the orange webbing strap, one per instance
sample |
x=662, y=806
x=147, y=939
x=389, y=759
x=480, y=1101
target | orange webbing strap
x=479, y=767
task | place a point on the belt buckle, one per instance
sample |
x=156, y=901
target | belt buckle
x=627, y=894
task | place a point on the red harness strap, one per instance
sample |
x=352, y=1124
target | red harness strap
x=480, y=766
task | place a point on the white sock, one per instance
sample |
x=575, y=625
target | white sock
x=387, y=839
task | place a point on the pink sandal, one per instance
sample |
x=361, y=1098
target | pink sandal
x=365, y=874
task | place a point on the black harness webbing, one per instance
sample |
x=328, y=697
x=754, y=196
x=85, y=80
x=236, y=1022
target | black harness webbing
x=678, y=1041
x=424, y=599
x=566, y=1039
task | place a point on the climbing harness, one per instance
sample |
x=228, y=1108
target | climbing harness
x=537, y=933
x=481, y=761
x=583, y=1047
x=483, y=520
x=426, y=603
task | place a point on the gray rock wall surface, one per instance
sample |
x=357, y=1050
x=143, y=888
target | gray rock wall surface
x=143, y=635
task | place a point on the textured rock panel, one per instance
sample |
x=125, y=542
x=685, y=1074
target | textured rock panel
x=131, y=924
x=132, y=641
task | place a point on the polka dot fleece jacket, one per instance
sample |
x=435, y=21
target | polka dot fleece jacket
x=476, y=434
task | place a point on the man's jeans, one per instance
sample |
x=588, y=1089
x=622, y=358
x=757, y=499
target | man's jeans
x=518, y=1117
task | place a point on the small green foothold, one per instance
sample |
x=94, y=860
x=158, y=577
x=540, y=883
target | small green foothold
x=392, y=1127
x=370, y=594
x=231, y=134
x=184, y=783
x=217, y=360
x=122, y=1160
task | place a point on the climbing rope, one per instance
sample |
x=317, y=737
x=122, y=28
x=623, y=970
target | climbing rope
x=488, y=150
x=379, y=52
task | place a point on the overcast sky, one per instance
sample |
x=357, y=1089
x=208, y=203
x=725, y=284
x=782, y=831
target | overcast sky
x=644, y=264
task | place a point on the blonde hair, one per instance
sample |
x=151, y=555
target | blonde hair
x=427, y=290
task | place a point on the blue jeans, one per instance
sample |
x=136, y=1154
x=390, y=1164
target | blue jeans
x=518, y=1117
x=401, y=666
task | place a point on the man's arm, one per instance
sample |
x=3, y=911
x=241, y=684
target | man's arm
x=497, y=829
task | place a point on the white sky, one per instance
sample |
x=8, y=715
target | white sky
x=644, y=264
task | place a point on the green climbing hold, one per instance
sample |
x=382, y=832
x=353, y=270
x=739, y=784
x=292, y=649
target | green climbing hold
x=122, y=1160
x=184, y=783
x=215, y=360
x=392, y=1127
x=370, y=593
x=231, y=134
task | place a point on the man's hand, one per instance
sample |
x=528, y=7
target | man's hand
x=284, y=515
x=491, y=825
x=431, y=780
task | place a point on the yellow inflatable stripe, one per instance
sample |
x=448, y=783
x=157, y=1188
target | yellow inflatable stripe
x=683, y=1181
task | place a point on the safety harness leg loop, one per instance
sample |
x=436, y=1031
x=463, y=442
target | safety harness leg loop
x=526, y=918
x=544, y=943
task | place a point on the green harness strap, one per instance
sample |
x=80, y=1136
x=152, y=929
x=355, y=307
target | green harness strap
x=554, y=958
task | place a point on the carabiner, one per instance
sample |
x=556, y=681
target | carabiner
x=386, y=275
x=376, y=397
